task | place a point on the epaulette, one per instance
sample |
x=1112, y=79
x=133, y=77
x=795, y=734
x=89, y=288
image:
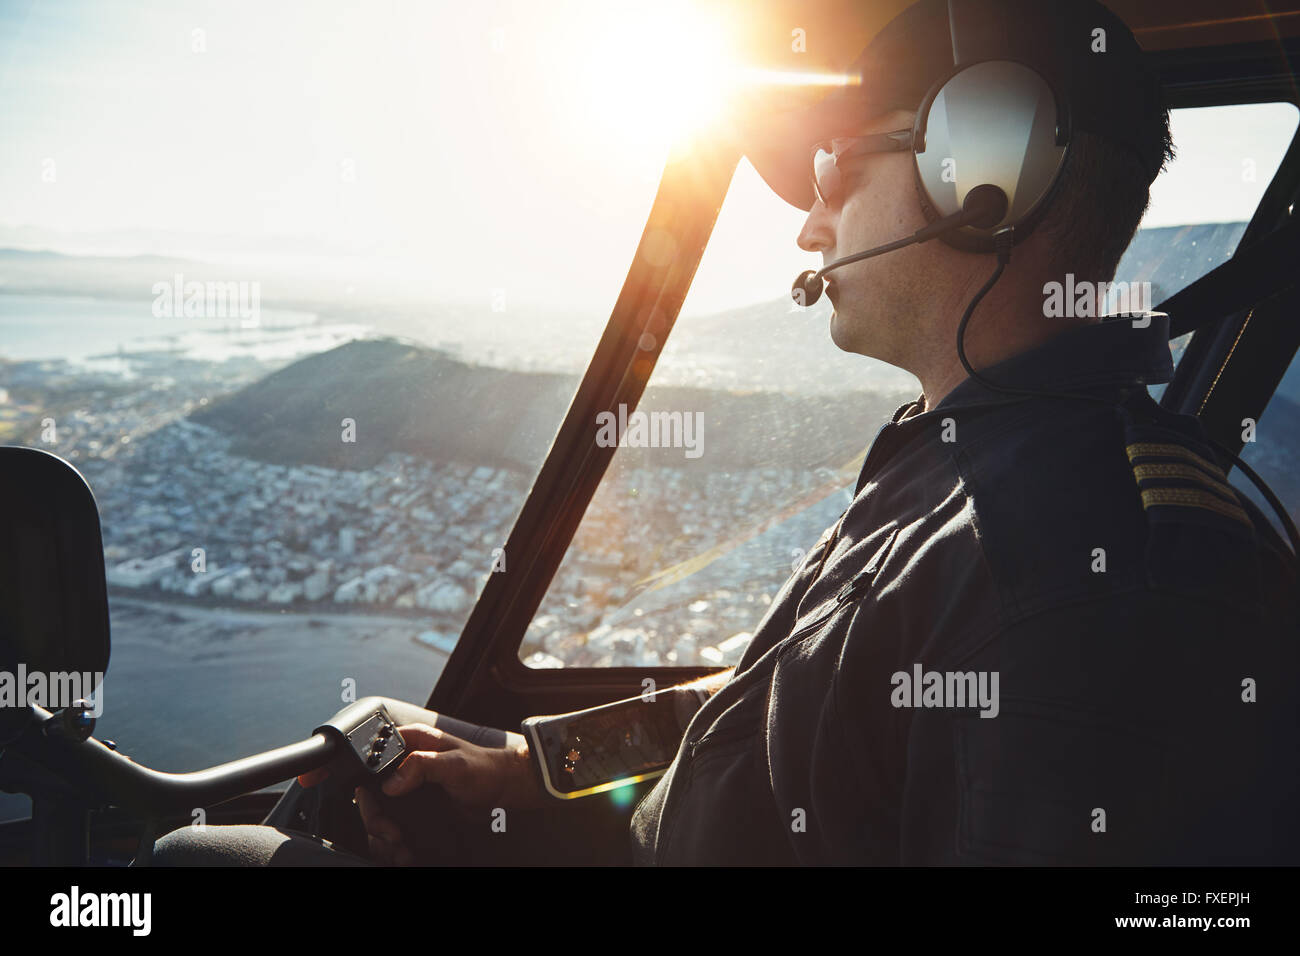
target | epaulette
x=1171, y=475
x=1200, y=537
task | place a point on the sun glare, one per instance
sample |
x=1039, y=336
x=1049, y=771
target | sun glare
x=652, y=76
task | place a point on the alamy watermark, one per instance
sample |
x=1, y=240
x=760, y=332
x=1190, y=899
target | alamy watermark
x=651, y=430
x=1071, y=299
x=208, y=300
x=952, y=690
x=129, y=910
x=52, y=690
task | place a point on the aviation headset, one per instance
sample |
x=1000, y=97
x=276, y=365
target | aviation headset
x=1025, y=74
x=990, y=137
x=1003, y=119
x=995, y=123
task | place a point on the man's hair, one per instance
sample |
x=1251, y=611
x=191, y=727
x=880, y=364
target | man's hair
x=1099, y=202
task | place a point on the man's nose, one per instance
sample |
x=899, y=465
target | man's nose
x=818, y=232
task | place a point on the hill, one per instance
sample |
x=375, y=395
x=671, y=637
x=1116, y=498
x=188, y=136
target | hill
x=423, y=402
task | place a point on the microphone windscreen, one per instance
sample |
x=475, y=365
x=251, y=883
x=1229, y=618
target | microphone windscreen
x=807, y=289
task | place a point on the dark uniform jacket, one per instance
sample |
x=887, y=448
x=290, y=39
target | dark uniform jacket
x=1134, y=610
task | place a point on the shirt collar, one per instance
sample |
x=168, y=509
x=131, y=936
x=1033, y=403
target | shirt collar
x=1123, y=350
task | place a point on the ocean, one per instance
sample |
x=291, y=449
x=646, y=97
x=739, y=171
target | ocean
x=94, y=332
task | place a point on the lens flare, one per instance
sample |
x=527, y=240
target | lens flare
x=654, y=76
x=622, y=797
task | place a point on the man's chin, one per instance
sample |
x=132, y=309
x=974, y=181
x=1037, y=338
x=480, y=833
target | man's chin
x=849, y=335
x=840, y=332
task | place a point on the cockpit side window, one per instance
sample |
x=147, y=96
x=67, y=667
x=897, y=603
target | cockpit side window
x=749, y=437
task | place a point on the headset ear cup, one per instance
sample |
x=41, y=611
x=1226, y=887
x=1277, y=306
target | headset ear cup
x=927, y=208
x=967, y=241
x=996, y=122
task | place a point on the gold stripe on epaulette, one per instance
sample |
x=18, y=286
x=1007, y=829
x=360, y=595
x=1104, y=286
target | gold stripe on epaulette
x=1143, y=449
x=1193, y=498
x=1172, y=470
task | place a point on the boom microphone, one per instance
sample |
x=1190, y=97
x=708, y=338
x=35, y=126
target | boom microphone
x=984, y=207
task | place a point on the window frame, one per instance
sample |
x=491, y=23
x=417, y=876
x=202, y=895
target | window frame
x=486, y=681
x=1229, y=370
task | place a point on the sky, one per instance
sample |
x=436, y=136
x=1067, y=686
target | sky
x=487, y=145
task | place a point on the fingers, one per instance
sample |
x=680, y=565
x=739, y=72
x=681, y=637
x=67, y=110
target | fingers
x=380, y=850
x=433, y=758
x=313, y=777
x=389, y=854
x=424, y=737
x=376, y=823
x=420, y=768
x=417, y=737
x=383, y=837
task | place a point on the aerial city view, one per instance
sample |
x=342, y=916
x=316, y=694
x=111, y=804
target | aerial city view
x=323, y=491
x=296, y=464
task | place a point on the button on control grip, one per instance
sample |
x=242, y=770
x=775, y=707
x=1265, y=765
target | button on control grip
x=372, y=745
x=377, y=744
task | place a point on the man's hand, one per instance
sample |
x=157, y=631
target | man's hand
x=472, y=776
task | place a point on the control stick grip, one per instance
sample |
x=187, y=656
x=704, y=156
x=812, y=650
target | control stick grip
x=371, y=745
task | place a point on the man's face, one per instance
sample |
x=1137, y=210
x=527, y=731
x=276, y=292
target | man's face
x=875, y=300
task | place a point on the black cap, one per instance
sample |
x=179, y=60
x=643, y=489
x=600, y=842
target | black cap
x=1087, y=54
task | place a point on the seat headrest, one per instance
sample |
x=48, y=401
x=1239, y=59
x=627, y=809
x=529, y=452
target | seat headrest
x=53, y=598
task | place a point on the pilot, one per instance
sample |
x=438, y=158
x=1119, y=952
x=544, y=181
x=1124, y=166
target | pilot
x=1046, y=630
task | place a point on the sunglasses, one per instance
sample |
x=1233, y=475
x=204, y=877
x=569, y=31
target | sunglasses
x=827, y=176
